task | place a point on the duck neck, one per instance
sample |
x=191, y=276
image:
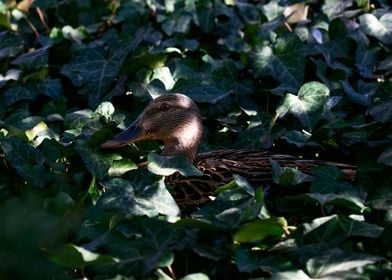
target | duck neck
x=185, y=141
x=174, y=149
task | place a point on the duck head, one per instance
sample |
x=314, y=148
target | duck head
x=173, y=119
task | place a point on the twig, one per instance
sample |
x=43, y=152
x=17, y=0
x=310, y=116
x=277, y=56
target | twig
x=42, y=18
x=32, y=26
x=172, y=274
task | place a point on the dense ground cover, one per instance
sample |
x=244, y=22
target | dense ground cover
x=73, y=73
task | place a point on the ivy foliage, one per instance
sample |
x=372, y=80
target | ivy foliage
x=309, y=78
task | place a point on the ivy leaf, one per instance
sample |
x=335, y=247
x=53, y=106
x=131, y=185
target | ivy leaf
x=26, y=160
x=10, y=44
x=18, y=93
x=96, y=162
x=11, y=74
x=286, y=176
x=307, y=106
x=120, y=167
x=51, y=87
x=73, y=256
x=249, y=261
x=205, y=16
x=283, y=61
x=259, y=229
x=381, y=106
x=35, y=59
x=386, y=157
x=195, y=276
x=333, y=262
x=379, y=28
x=164, y=165
x=97, y=68
x=138, y=197
x=335, y=8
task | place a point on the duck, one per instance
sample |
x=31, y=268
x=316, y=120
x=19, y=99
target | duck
x=175, y=120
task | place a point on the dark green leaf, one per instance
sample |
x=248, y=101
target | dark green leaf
x=333, y=262
x=96, y=162
x=52, y=88
x=284, y=62
x=26, y=160
x=34, y=59
x=386, y=157
x=18, y=93
x=10, y=44
x=381, y=107
x=250, y=261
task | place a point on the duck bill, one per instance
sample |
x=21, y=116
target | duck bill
x=130, y=135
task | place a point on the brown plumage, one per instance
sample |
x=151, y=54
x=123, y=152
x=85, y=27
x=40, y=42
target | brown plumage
x=175, y=120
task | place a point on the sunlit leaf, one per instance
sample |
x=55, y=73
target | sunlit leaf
x=195, y=276
x=260, y=229
x=335, y=8
x=162, y=165
x=379, y=28
x=307, y=105
x=335, y=261
x=138, y=198
x=73, y=256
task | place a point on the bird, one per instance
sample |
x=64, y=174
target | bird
x=175, y=120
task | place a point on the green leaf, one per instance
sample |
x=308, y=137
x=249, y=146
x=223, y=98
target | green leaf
x=195, y=276
x=243, y=184
x=386, y=157
x=307, y=106
x=97, y=68
x=105, y=109
x=284, y=62
x=51, y=87
x=335, y=8
x=346, y=200
x=379, y=28
x=138, y=197
x=95, y=161
x=205, y=15
x=35, y=59
x=382, y=198
x=248, y=261
x=332, y=262
x=10, y=44
x=120, y=167
x=259, y=229
x=18, y=93
x=163, y=165
x=291, y=275
x=12, y=74
x=73, y=256
x=381, y=107
x=26, y=160
x=287, y=176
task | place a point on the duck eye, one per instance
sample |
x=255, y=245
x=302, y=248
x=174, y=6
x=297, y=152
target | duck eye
x=164, y=107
